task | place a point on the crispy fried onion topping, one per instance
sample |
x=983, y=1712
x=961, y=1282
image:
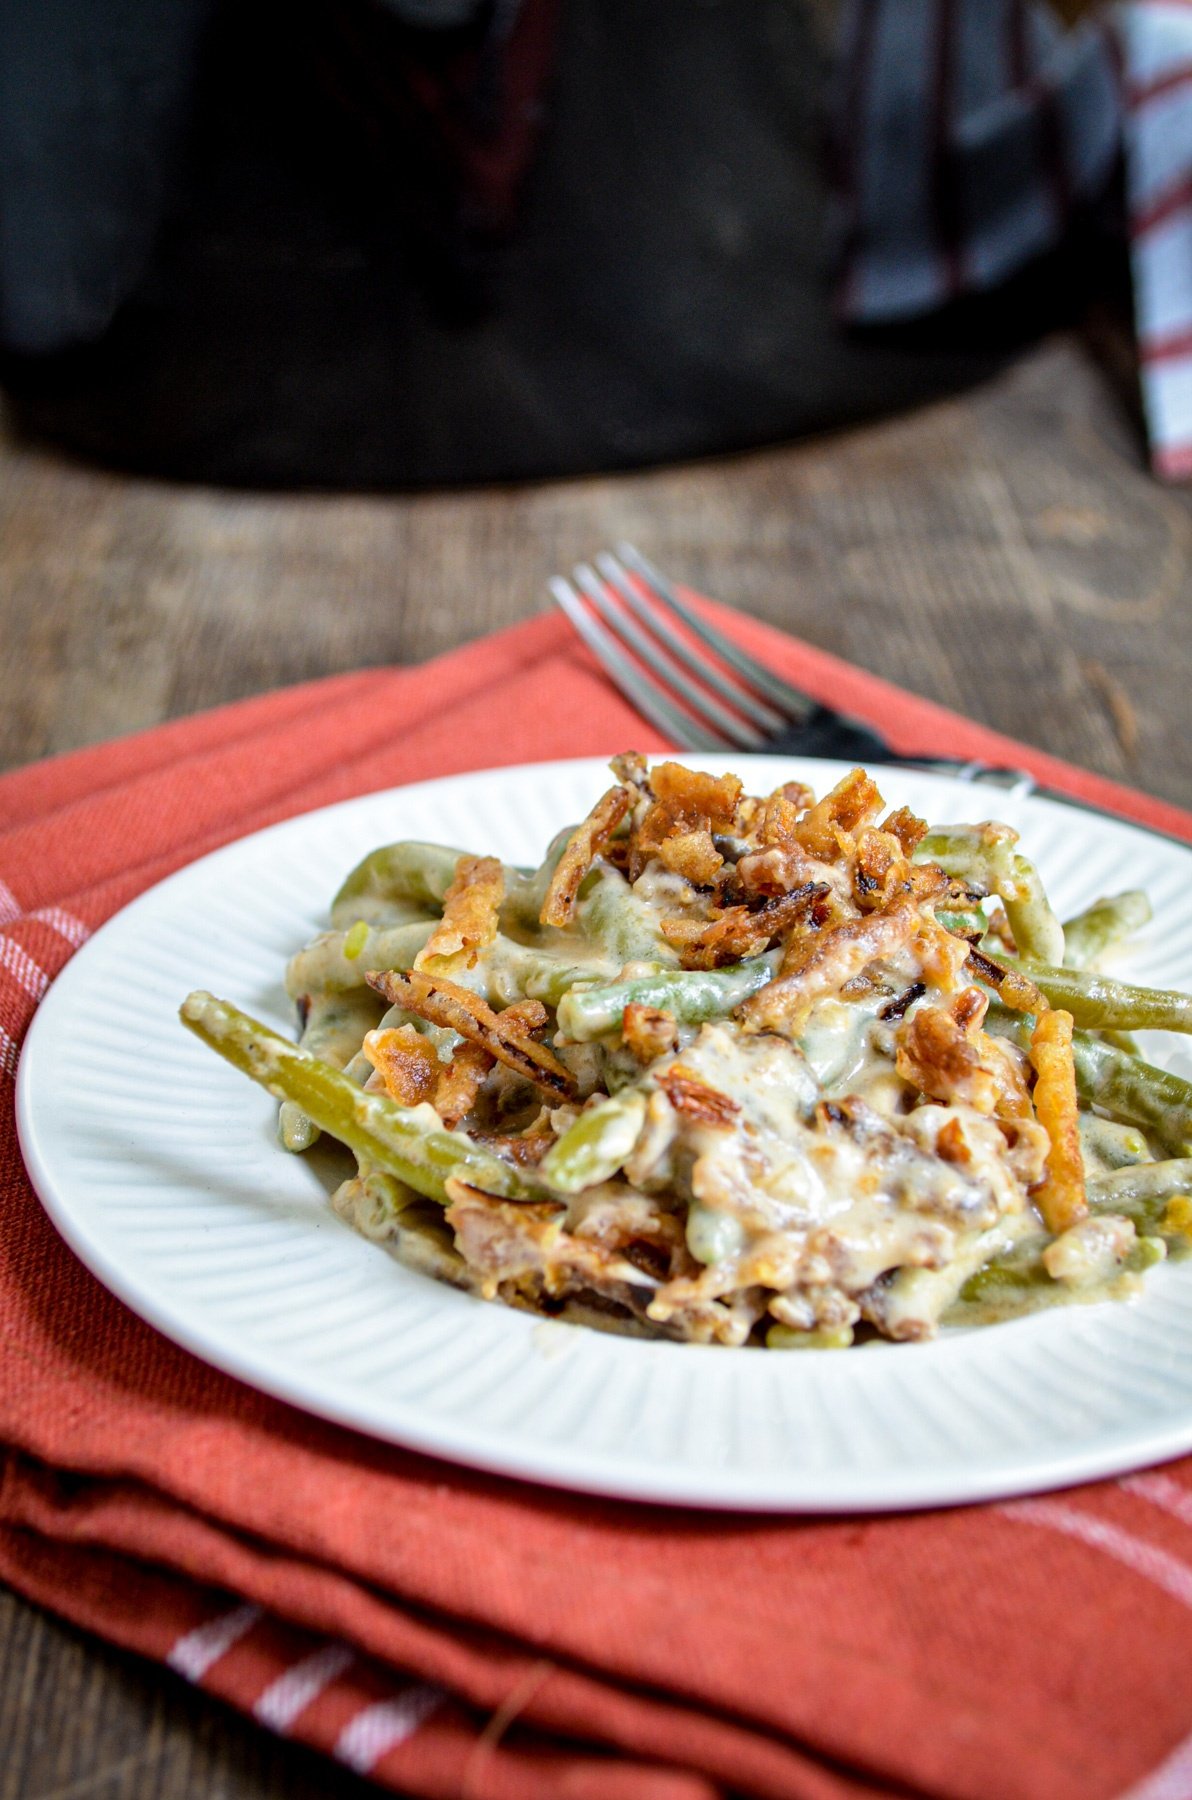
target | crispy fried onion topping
x=678, y=827
x=694, y=800
x=585, y=844
x=820, y=965
x=907, y=827
x=648, y=1032
x=695, y=1099
x=943, y=1051
x=505, y=1035
x=509, y=1240
x=406, y=1062
x=1012, y=988
x=631, y=768
x=826, y=829
x=880, y=868
x=778, y=869
x=741, y=931
x=470, y=908
x=409, y=1067
x=941, y=954
x=1060, y=1196
x=692, y=854
x=526, y=1148
x=460, y=1083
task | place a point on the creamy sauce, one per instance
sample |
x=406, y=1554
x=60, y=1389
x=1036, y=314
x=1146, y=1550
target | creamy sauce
x=777, y=1166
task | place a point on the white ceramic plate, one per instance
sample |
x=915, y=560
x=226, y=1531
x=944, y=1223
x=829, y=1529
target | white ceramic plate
x=159, y=1166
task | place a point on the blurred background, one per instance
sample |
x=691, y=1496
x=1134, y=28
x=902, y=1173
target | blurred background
x=330, y=330
x=375, y=243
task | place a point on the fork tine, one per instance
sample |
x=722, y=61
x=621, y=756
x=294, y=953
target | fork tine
x=704, y=706
x=796, y=706
x=645, y=694
x=708, y=672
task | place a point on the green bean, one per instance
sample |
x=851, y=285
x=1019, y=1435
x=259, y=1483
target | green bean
x=295, y=1132
x=416, y=874
x=1099, y=1003
x=596, y=1146
x=1128, y=1089
x=325, y=965
x=1156, y=1181
x=1142, y=1193
x=1013, y=1274
x=967, y=921
x=525, y=894
x=374, y=1203
x=404, y=1141
x=336, y=1024
x=1105, y=923
x=712, y=1235
x=1134, y=1091
x=333, y=1031
x=986, y=855
x=828, y=1337
x=622, y=922
x=516, y=971
x=1005, y=1275
x=912, y=1300
x=400, y=883
x=692, y=996
x=1110, y=1145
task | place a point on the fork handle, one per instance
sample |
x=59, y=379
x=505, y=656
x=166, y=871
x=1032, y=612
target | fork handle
x=826, y=733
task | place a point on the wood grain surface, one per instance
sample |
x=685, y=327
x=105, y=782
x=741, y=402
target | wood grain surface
x=1004, y=552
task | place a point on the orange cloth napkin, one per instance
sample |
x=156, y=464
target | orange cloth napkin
x=449, y=1633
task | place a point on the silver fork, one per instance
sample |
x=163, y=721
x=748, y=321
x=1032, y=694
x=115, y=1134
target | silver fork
x=729, y=700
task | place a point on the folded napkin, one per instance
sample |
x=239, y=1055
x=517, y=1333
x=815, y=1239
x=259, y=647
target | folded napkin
x=453, y=1634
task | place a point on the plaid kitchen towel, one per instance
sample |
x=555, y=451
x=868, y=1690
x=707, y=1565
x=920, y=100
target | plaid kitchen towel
x=970, y=133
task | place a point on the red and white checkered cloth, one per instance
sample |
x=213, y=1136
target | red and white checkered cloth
x=971, y=132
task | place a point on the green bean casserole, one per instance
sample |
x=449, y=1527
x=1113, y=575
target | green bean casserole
x=737, y=1070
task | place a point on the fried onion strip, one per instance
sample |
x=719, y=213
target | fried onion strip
x=693, y=855
x=444, y=1002
x=1060, y=1196
x=460, y=1082
x=825, y=829
x=822, y=964
x=583, y=847
x=740, y=932
x=1012, y=988
x=938, y=1055
x=470, y=909
x=696, y=802
x=689, y=1095
x=405, y=1061
x=648, y=1031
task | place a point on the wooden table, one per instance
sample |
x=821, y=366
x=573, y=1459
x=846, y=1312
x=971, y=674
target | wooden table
x=1005, y=553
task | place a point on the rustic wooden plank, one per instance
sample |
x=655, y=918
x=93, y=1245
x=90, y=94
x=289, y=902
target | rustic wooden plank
x=84, y=1722
x=1005, y=552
